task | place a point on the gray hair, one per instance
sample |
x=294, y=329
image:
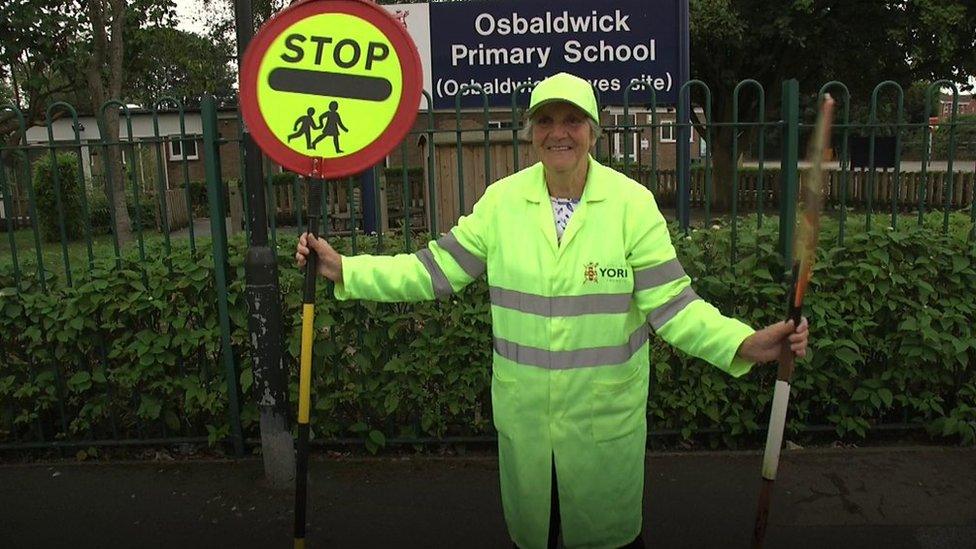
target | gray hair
x=595, y=130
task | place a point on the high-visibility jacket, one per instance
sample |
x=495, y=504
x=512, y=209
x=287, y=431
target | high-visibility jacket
x=571, y=322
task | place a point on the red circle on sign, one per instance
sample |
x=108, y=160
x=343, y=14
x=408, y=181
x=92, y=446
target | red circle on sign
x=406, y=111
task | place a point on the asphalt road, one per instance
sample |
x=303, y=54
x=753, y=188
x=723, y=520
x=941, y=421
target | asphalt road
x=833, y=498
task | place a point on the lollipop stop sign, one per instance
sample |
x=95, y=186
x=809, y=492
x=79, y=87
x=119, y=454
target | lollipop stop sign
x=329, y=87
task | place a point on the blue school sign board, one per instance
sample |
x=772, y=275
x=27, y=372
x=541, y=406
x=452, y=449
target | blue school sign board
x=501, y=45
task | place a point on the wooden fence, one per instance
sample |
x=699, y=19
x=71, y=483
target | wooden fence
x=859, y=188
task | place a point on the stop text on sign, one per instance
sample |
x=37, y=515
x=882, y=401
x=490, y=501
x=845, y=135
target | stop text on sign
x=346, y=52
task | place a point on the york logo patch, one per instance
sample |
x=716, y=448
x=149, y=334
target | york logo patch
x=590, y=273
x=593, y=272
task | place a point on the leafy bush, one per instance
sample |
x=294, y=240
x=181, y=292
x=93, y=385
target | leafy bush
x=101, y=215
x=200, y=199
x=891, y=339
x=965, y=139
x=415, y=174
x=892, y=342
x=118, y=355
x=70, y=191
x=284, y=178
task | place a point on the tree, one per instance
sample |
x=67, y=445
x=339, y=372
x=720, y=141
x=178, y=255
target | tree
x=858, y=43
x=73, y=51
x=168, y=62
x=104, y=30
x=6, y=93
x=37, y=59
x=221, y=16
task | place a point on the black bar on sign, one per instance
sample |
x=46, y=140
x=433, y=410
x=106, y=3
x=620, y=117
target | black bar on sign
x=331, y=84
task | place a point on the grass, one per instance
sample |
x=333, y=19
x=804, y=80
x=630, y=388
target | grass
x=53, y=254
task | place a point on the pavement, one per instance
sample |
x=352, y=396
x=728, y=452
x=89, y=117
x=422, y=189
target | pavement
x=919, y=497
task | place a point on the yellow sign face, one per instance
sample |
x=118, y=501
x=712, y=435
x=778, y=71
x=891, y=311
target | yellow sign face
x=329, y=85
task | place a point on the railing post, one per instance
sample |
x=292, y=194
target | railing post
x=218, y=234
x=8, y=214
x=788, y=169
x=683, y=146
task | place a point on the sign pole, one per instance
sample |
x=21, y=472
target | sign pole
x=327, y=88
x=683, y=202
x=315, y=185
x=264, y=318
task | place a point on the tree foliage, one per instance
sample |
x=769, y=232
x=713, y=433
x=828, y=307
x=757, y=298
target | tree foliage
x=48, y=45
x=168, y=62
x=858, y=43
x=37, y=56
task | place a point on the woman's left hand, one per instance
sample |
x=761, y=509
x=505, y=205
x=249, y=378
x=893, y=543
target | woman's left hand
x=774, y=341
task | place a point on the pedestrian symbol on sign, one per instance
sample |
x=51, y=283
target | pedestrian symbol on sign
x=304, y=126
x=329, y=122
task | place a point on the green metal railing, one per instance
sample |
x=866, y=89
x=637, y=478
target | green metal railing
x=757, y=193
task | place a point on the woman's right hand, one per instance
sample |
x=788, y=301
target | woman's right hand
x=329, y=263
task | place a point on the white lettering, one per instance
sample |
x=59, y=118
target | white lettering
x=571, y=47
x=485, y=24
x=482, y=56
x=580, y=24
x=494, y=56
x=604, y=52
x=561, y=23
x=478, y=26
x=458, y=51
x=519, y=24
x=544, y=56
x=450, y=87
x=621, y=22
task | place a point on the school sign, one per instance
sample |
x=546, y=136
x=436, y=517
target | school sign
x=500, y=45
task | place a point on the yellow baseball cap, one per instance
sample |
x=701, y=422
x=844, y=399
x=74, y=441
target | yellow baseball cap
x=565, y=87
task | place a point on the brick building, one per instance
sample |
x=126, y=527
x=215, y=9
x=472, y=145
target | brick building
x=157, y=140
x=154, y=139
x=967, y=105
x=661, y=136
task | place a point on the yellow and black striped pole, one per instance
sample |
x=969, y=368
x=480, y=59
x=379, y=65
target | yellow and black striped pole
x=305, y=373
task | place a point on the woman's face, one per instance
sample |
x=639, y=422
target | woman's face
x=561, y=137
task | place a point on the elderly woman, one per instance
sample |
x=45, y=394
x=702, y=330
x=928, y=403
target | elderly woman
x=581, y=269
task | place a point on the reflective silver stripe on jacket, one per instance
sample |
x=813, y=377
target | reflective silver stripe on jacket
x=442, y=287
x=467, y=260
x=578, y=358
x=658, y=275
x=660, y=316
x=569, y=305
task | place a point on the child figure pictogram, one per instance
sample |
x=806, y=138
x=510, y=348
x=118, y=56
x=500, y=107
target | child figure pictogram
x=304, y=126
x=330, y=122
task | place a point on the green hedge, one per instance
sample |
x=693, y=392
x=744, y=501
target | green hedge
x=284, y=178
x=68, y=192
x=101, y=214
x=892, y=342
x=414, y=173
x=965, y=136
x=200, y=199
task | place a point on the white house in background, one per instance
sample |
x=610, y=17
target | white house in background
x=144, y=133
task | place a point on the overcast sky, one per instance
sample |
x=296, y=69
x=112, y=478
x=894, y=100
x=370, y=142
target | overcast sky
x=188, y=14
